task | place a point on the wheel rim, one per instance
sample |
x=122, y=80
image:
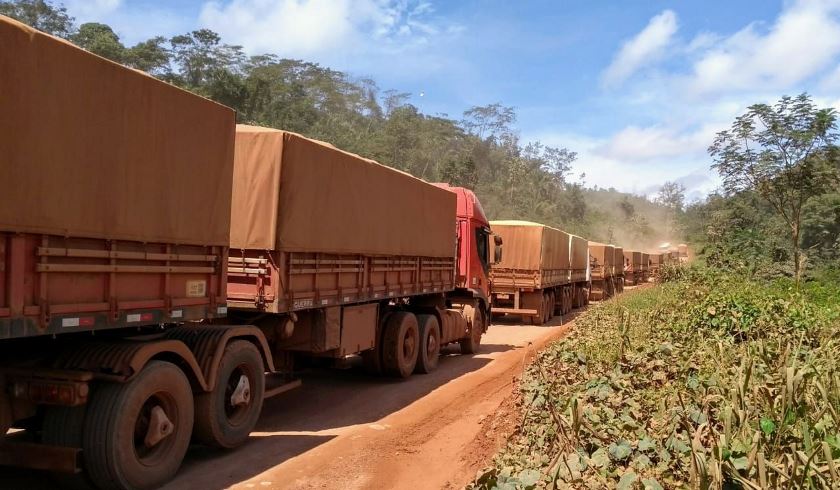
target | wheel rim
x=431, y=345
x=148, y=423
x=238, y=403
x=409, y=345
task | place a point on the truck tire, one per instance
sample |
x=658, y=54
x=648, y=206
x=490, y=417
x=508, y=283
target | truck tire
x=471, y=344
x=372, y=358
x=549, y=303
x=572, y=298
x=116, y=454
x=221, y=421
x=564, y=302
x=400, y=344
x=429, y=352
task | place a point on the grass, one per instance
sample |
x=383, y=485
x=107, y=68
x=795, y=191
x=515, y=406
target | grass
x=707, y=381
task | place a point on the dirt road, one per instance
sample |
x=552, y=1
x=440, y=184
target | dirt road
x=343, y=429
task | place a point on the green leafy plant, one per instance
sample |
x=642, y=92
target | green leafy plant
x=713, y=381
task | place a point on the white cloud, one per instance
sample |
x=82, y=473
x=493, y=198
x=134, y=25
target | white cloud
x=801, y=43
x=641, y=177
x=645, y=48
x=636, y=144
x=320, y=28
x=694, y=87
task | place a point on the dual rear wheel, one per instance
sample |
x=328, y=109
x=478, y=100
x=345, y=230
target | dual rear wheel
x=135, y=434
x=411, y=343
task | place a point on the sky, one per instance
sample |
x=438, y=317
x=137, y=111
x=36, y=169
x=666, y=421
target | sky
x=638, y=88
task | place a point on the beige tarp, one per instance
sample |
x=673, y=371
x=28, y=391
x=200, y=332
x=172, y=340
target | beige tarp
x=635, y=258
x=296, y=194
x=91, y=148
x=604, y=254
x=579, y=253
x=618, y=260
x=531, y=246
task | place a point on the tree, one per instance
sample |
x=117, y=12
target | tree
x=672, y=196
x=200, y=54
x=627, y=208
x=150, y=56
x=100, y=39
x=40, y=14
x=492, y=120
x=785, y=153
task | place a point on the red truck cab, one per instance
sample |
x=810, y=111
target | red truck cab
x=474, y=244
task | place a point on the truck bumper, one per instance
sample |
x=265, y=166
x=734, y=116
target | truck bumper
x=40, y=457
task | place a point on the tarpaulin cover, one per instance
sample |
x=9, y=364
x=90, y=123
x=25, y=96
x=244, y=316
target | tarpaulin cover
x=645, y=261
x=635, y=258
x=603, y=253
x=618, y=260
x=90, y=148
x=579, y=252
x=296, y=194
x=531, y=246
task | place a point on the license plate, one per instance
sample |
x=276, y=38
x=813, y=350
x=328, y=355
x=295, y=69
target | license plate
x=503, y=296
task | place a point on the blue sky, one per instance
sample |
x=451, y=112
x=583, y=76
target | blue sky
x=637, y=87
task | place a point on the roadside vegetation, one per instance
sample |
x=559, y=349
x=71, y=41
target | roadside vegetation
x=711, y=380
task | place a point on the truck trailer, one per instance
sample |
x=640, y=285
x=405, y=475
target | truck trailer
x=117, y=347
x=542, y=272
x=618, y=269
x=335, y=255
x=656, y=261
x=114, y=221
x=632, y=267
x=602, y=266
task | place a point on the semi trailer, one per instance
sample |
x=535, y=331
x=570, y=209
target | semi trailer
x=118, y=208
x=602, y=266
x=632, y=267
x=645, y=267
x=618, y=268
x=542, y=272
x=656, y=261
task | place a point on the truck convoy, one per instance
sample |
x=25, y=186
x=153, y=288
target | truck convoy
x=542, y=272
x=135, y=216
x=163, y=270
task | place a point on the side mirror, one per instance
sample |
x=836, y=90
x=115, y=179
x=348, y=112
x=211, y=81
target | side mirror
x=497, y=255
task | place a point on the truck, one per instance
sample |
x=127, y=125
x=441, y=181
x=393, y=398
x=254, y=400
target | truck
x=657, y=259
x=542, y=272
x=683, y=252
x=334, y=255
x=632, y=267
x=645, y=267
x=618, y=268
x=602, y=266
x=117, y=345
